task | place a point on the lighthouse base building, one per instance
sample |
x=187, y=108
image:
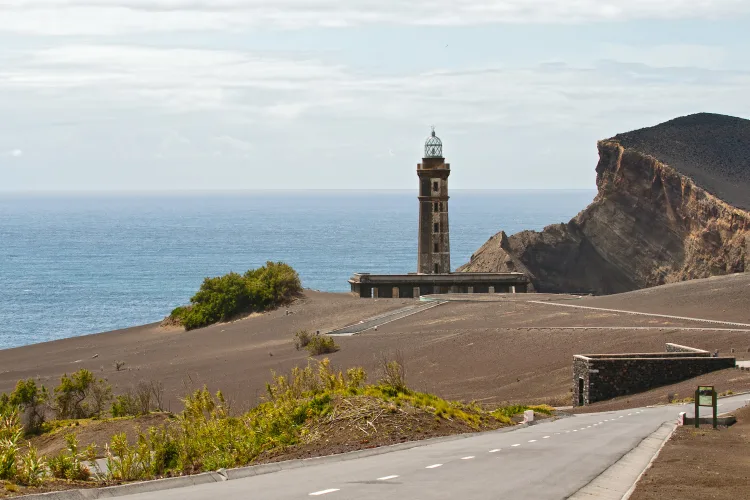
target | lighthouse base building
x=434, y=274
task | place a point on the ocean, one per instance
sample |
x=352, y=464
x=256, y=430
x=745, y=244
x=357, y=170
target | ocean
x=73, y=264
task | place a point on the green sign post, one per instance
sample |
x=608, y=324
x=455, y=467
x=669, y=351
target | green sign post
x=705, y=396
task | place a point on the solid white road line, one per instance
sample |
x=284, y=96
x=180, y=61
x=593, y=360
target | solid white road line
x=467, y=458
x=323, y=492
x=434, y=466
x=386, y=478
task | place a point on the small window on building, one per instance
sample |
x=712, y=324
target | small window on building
x=435, y=186
x=437, y=207
x=437, y=247
x=437, y=269
x=436, y=227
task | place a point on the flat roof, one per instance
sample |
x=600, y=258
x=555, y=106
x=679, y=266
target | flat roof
x=439, y=278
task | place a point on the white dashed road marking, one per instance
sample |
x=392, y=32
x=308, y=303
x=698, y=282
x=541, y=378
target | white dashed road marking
x=546, y=437
x=516, y=445
x=386, y=478
x=532, y=440
x=495, y=450
x=467, y=458
x=323, y=492
x=434, y=466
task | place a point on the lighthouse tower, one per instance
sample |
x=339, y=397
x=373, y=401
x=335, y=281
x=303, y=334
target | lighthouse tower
x=434, y=240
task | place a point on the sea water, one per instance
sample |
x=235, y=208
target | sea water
x=72, y=264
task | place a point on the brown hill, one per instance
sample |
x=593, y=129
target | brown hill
x=666, y=211
x=516, y=347
x=712, y=150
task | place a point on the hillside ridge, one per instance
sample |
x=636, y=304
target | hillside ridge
x=652, y=221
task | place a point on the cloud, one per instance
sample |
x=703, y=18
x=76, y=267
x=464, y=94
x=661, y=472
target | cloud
x=13, y=153
x=106, y=17
x=246, y=86
x=669, y=56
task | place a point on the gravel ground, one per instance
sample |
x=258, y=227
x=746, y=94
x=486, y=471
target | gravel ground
x=492, y=352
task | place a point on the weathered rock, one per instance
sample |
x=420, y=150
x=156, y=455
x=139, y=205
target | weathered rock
x=650, y=222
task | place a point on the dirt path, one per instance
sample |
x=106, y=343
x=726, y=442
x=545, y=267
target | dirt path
x=666, y=316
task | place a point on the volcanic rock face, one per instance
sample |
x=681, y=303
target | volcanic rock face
x=662, y=214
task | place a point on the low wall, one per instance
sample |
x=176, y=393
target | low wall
x=600, y=377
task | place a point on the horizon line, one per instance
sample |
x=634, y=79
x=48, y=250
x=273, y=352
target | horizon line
x=269, y=190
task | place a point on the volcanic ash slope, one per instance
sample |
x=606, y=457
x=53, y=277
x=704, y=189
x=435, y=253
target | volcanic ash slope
x=672, y=206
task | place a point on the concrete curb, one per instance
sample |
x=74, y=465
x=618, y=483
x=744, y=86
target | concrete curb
x=650, y=463
x=619, y=480
x=249, y=471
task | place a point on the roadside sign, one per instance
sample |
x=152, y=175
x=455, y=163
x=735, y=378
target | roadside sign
x=706, y=395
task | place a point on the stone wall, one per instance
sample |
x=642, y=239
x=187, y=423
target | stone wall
x=602, y=377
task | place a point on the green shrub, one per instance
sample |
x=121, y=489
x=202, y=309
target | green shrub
x=225, y=297
x=81, y=395
x=31, y=468
x=31, y=399
x=69, y=463
x=321, y=344
x=301, y=339
x=11, y=432
x=142, y=399
x=125, y=405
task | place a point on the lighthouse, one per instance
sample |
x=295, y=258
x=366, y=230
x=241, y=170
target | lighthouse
x=434, y=254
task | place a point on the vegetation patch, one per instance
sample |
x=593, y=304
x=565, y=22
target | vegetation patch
x=226, y=297
x=312, y=411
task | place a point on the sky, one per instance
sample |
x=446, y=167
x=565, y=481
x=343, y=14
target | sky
x=340, y=94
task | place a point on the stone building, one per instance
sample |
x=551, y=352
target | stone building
x=434, y=274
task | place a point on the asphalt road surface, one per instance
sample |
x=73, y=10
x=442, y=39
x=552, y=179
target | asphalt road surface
x=546, y=461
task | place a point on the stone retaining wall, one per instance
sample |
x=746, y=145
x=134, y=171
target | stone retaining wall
x=598, y=377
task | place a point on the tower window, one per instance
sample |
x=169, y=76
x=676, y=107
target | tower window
x=435, y=186
x=437, y=269
x=437, y=207
x=437, y=247
x=436, y=227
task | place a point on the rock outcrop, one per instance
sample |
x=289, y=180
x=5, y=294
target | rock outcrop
x=671, y=206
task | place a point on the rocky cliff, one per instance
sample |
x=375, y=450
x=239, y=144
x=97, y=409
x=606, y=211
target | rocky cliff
x=670, y=207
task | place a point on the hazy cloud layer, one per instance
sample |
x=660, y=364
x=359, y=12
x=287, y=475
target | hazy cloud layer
x=105, y=17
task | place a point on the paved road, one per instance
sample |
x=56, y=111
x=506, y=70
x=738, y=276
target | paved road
x=545, y=461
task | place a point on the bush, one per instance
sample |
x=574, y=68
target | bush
x=301, y=339
x=11, y=431
x=393, y=373
x=141, y=400
x=32, y=468
x=225, y=297
x=31, y=399
x=69, y=464
x=321, y=344
x=81, y=395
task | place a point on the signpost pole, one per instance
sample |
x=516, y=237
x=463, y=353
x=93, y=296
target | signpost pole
x=716, y=411
x=697, y=409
